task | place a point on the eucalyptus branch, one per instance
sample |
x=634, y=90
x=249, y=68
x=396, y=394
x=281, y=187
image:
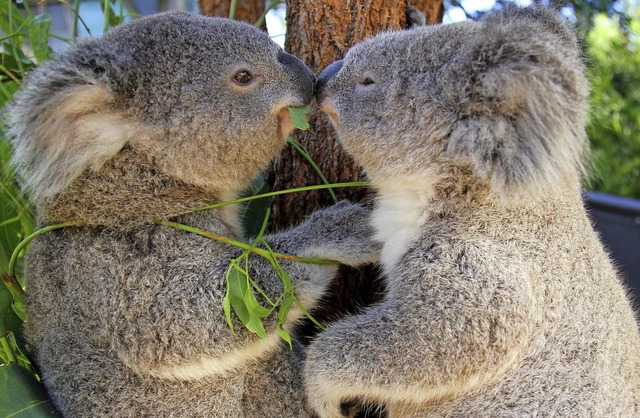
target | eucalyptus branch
x=28, y=239
x=203, y=233
x=244, y=246
x=307, y=156
x=280, y=192
x=232, y=9
x=272, y=5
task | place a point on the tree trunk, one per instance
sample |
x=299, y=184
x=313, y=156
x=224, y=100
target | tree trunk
x=319, y=32
x=246, y=10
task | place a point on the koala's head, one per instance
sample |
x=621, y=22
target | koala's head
x=204, y=98
x=503, y=98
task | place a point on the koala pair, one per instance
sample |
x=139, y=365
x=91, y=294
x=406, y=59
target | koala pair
x=125, y=317
x=501, y=300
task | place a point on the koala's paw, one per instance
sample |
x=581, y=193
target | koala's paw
x=343, y=232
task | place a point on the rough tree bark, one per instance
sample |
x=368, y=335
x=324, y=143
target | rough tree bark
x=319, y=32
x=246, y=10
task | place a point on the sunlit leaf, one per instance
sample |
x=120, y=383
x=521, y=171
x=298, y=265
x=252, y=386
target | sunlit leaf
x=299, y=117
x=238, y=283
x=21, y=396
x=284, y=334
x=39, y=37
x=253, y=306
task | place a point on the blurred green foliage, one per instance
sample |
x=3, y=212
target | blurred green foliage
x=23, y=45
x=614, y=124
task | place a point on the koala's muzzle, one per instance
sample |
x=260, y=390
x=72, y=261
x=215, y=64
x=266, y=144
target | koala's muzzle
x=302, y=77
x=325, y=76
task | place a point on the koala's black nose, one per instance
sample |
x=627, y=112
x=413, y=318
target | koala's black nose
x=302, y=76
x=325, y=76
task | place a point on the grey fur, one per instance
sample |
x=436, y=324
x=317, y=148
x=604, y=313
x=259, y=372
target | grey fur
x=125, y=318
x=501, y=300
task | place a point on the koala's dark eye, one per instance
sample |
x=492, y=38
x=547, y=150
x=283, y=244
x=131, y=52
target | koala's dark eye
x=367, y=82
x=242, y=77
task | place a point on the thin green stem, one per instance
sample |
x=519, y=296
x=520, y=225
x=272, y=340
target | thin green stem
x=27, y=8
x=272, y=4
x=18, y=202
x=244, y=246
x=3, y=90
x=280, y=192
x=308, y=315
x=264, y=295
x=74, y=28
x=13, y=35
x=6, y=348
x=246, y=252
x=305, y=153
x=206, y=234
x=76, y=13
x=107, y=12
x=13, y=44
x=9, y=74
x=232, y=9
x=28, y=239
x=277, y=267
x=10, y=221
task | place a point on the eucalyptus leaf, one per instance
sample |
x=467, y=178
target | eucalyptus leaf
x=9, y=321
x=226, y=306
x=255, y=210
x=254, y=307
x=285, y=307
x=22, y=396
x=299, y=117
x=284, y=334
x=17, y=294
x=238, y=283
x=39, y=37
x=255, y=325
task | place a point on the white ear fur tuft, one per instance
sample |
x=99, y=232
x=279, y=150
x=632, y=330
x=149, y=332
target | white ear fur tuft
x=77, y=131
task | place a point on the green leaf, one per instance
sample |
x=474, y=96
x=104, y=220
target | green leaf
x=254, y=307
x=284, y=334
x=9, y=321
x=285, y=307
x=39, y=37
x=21, y=396
x=243, y=300
x=17, y=294
x=255, y=210
x=299, y=117
x=255, y=325
x=238, y=283
x=226, y=306
x=10, y=351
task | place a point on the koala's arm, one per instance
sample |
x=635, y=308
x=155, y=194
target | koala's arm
x=342, y=232
x=173, y=323
x=459, y=323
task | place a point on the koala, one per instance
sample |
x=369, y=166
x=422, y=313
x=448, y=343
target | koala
x=125, y=316
x=501, y=300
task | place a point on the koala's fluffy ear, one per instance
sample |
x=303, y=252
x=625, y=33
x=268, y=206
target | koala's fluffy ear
x=57, y=138
x=521, y=101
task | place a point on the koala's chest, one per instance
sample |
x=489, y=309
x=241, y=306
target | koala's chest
x=398, y=223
